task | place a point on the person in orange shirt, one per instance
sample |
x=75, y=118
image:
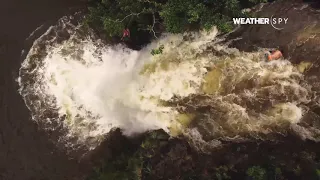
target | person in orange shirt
x=274, y=55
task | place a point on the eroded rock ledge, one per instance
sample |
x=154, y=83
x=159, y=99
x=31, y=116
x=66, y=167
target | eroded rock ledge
x=300, y=38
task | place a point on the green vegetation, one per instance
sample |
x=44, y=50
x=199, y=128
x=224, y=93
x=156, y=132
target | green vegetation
x=318, y=173
x=155, y=156
x=125, y=167
x=113, y=16
x=157, y=51
x=278, y=173
x=257, y=1
x=178, y=15
x=156, y=16
x=222, y=172
x=131, y=163
x=256, y=173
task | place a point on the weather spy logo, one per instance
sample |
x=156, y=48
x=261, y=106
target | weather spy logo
x=277, y=23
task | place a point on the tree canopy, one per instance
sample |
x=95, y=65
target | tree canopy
x=156, y=16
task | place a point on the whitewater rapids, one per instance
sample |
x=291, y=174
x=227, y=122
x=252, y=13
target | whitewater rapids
x=196, y=87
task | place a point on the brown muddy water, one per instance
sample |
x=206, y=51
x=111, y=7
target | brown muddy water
x=25, y=152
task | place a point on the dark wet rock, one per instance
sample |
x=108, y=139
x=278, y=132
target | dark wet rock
x=300, y=38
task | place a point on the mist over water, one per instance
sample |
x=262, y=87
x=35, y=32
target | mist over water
x=196, y=87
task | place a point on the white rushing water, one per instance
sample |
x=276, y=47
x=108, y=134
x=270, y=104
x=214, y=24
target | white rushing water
x=91, y=88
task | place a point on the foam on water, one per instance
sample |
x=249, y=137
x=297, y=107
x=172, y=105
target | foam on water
x=94, y=87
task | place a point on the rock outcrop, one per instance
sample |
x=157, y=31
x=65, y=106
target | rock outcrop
x=300, y=38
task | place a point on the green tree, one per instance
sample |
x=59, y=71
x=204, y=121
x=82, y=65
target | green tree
x=154, y=16
x=179, y=15
x=113, y=16
x=256, y=173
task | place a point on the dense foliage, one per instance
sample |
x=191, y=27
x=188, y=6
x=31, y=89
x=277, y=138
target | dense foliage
x=158, y=157
x=133, y=161
x=155, y=16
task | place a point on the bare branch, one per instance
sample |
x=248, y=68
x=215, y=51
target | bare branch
x=151, y=29
x=132, y=14
x=154, y=22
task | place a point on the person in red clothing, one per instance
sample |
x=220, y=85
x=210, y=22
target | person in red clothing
x=274, y=55
x=126, y=33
